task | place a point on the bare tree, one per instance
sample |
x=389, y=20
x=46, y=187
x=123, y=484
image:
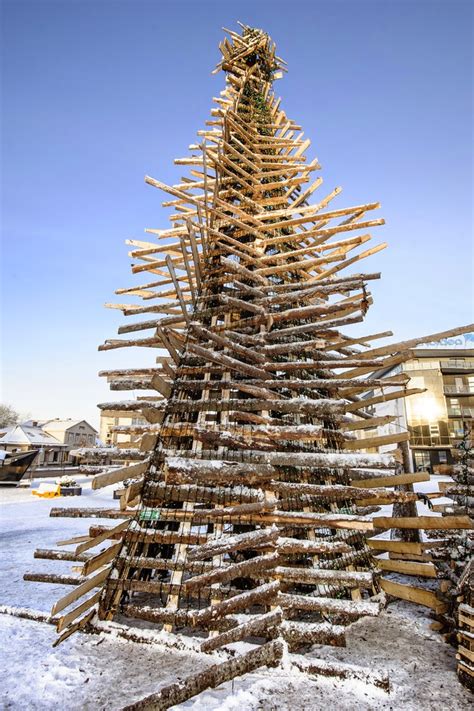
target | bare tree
x=8, y=415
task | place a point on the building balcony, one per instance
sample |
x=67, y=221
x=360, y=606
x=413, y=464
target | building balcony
x=456, y=366
x=461, y=412
x=457, y=390
x=430, y=441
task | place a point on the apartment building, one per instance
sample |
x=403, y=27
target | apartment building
x=437, y=418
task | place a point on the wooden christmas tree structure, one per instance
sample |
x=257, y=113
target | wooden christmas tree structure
x=251, y=503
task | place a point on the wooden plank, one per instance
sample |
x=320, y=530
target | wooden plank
x=413, y=594
x=425, y=522
x=406, y=567
x=376, y=441
x=395, y=546
x=101, y=538
x=73, y=628
x=99, y=560
x=413, y=342
x=465, y=653
x=81, y=590
x=116, y=475
x=65, y=620
x=385, y=397
x=73, y=541
x=421, y=558
x=465, y=668
x=388, y=481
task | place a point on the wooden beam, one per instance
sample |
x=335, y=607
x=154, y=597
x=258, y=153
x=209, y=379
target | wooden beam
x=414, y=594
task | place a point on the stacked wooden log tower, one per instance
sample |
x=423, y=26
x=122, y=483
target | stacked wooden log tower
x=252, y=500
x=453, y=557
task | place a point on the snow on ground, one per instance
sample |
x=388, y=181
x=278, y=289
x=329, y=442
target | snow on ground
x=104, y=672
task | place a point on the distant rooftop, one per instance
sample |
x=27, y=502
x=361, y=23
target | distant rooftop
x=62, y=425
x=29, y=434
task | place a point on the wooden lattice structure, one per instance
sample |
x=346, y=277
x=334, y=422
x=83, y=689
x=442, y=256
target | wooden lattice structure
x=252, y=500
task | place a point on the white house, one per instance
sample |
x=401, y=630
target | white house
x=28, y=436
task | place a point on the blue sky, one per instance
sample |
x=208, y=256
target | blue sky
x=98, y=94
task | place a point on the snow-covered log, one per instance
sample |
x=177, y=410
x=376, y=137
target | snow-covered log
x=178, y=618
x=133, y=405
x=282, y=518
x=233, y=267
x=298, y=405
x=53, y=579
x=289, y=546
x=241, y=541
x=47, y=554
x=339, y=460
x=344, y=609
x=321, y=667
x=220, y=340
x=88, y=513
x=257, y=626
x=300, y=634
x=232, y=363
x=263, y=594
x=107, y=453
x=268, y=655
x=182, y=469
x=336, y=492
x=163, y=492
x=253, y=568
x=317, y=576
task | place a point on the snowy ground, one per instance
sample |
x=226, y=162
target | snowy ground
x=103, y=672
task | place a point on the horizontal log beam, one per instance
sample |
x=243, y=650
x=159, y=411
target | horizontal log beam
x=236, y=542
x=258, y=625
x=264, y=594
x=350, y=609
x=424, y=522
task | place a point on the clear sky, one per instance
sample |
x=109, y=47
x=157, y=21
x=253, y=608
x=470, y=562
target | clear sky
x=97, y=94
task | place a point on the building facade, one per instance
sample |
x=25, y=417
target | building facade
x=109, y=420
x=437, y=418
x=29, y=436
x=53, y=439
x=74, y=433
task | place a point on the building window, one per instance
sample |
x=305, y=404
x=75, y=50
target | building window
x=422, y=461
x=456, y=428
x=443, y=457
x=454, y=407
